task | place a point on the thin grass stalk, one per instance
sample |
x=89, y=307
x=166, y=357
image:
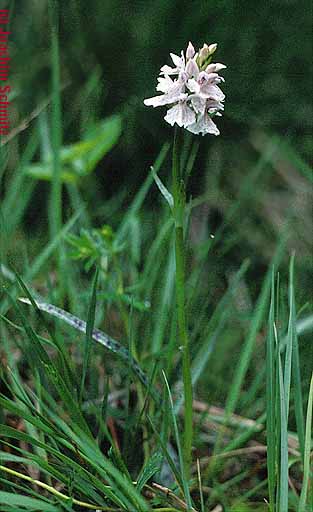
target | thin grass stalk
x=284, y=470
x=270, y=401
x=180, y=451
x=278, y=413
x=307, y=453
x=296, y=373
x=290, y=341
x=55, y=204
x=89, y=330
x=179, y=215
x=51, y=489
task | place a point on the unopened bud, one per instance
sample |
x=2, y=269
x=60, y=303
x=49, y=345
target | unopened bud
x=212, y=48
x=215, y=68
x=190, y=52
x=204, y=53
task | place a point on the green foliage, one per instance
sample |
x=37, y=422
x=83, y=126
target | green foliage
x=102, y=247
x=151, y=467
x=80, y=159
x=82, y=425
x=278, y=400
x=98, y=246
x=305, y=498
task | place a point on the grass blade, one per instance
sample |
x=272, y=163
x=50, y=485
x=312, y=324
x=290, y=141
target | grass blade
x=98, y=336
x=270, y=401
x=55, y=209
x=255, y=325
x=296, y=375
x=89, y=331
x=140, y=196
x=283, y=489
x=290, y=338
x=179, y=448
x=15, y=500
x=307, y=451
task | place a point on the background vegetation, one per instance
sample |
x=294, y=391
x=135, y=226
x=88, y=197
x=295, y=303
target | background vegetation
x=77, y=194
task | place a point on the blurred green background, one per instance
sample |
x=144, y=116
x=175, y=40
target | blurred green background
x=111, y=52
x=117, y=48
x=250, y=194
x=110, y=55
x=253, y=183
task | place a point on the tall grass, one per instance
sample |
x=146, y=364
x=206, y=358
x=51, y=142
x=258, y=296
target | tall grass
x=93, y=413
x=56, y=459
x=279, y=379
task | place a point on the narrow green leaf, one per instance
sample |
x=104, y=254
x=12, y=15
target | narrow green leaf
x=284, y=472
x=47, y=365
x=141, y=194
x=55, y=207
x=270, y=401
x=167, y=455
x=100, y=337
x=307, y=452
x=255, y=325
x=149, y=469
x=290, y=338
x=178, y=444
x=13, y=499
x=89, y=332
x=162, y=188
x=296, y=373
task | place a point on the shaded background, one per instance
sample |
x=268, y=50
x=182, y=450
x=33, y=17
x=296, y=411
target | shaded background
x=121, y=45
x=111, y=52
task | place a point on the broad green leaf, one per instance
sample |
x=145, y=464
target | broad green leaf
x=44, y=171
x=79, y=159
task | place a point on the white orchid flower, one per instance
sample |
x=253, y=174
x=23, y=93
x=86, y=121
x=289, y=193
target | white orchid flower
x=181, y=114
x=179, y=63
x=203, y=126
x=191, y=87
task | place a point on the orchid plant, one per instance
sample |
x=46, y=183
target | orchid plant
x=195, y=98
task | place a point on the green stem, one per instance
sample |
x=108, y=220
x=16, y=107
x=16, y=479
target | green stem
x=179, y=214
x=55, y=206
x=52, y=490
x=56, y=139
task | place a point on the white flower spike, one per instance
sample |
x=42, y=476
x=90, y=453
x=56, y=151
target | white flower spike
x=194, y=94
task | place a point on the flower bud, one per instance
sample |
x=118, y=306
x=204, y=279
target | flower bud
x=204, y=53
x=215, y=68
x=190, y=52
x=212, y=48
